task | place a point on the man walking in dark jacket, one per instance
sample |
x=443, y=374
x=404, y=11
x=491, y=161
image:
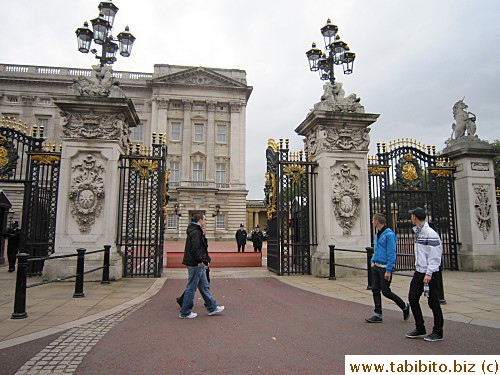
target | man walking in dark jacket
x=196, y=259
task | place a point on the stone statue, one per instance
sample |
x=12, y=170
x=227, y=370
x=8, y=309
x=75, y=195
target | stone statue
x=334, y=99
x=99, y=84
x=464, y=121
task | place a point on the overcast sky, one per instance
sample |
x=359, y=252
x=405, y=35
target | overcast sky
x=414, y=58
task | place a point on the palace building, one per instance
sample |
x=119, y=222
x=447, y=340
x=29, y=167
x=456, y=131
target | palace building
x=201, y=110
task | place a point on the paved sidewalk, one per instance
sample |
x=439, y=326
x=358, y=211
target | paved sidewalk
x=61, y=330
x=471, y=298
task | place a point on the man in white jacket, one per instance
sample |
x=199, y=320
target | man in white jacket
x=428, y=253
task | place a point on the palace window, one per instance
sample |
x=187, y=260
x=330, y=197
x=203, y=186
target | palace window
x=45, y=101
x=220, y=173
x=175, y=136
x=175, y=171
x=197, y=172
x=172, y=221
x=198, y=132
x=221, y=133
x=220, y=222
x=137, y=133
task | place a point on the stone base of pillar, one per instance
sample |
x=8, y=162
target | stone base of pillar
x=64, y=267
x=483, y=259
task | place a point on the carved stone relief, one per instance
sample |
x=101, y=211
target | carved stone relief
x=235, y=107
x=345, y=198
x=101, y=83
x=162, y=102
x=480, y=166
x=345, y=139
x=482, y=206
x=86, y=192
x=95, y=126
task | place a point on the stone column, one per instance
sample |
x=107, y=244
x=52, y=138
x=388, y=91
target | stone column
x=235, y=150
x=95, y=134
x=210, y=142
x=338, y=141
x=477, y=217
x=187, y=141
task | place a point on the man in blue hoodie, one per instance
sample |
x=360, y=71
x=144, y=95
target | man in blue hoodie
x=382, y=263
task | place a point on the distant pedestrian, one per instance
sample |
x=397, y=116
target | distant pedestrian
x=257, y=237
x=382, y=264
x=428, y=254
x=13, y=234
x=196, y=259
x=241, y=238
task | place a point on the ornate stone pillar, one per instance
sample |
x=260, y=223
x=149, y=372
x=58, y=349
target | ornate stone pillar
x=336, y=132
x=95, y=134
x=477, y=217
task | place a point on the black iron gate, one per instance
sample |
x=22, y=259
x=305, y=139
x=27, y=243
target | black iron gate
x=290, y=210
x=31, y=166
x=143, y=197
x=405, y=175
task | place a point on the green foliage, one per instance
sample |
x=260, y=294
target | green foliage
x=496, y=162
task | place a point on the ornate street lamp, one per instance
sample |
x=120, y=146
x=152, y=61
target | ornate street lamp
x=336, y=52
x=101, y=34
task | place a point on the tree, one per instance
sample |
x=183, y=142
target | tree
x=496, y=162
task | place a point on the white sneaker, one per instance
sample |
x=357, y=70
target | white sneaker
x=217, y=310
x=190, y=316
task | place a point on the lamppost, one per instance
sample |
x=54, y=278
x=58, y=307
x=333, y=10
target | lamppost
x=101, y=34
x=336, y=53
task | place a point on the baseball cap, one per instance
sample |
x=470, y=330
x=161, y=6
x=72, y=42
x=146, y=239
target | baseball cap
x=419, y=212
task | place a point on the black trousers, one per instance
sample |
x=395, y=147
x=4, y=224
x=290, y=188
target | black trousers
x=12, y=257
x=257, y=248
x=241, y=247
x=416, y=290
x=379, y=283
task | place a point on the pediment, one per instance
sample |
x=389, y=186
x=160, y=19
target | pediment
x=199, y=77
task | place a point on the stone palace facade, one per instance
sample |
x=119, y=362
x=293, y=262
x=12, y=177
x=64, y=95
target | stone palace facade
x=201, y=110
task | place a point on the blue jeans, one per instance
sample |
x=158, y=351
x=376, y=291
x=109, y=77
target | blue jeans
x=197, y=279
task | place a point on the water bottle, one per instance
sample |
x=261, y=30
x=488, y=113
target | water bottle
x=426, y=290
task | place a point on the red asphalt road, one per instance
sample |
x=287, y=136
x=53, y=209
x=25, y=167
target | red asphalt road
x=267, y=328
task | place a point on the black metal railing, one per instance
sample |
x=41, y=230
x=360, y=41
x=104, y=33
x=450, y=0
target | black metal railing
x=369, y=253
x=22, y=270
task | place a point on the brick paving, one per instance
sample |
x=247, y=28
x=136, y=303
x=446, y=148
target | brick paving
x=64, y=355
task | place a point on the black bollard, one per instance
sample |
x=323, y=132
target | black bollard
x=332, y=262
x=105, y=269
x=80, y=269
x=369, y=255
x=20, y=297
